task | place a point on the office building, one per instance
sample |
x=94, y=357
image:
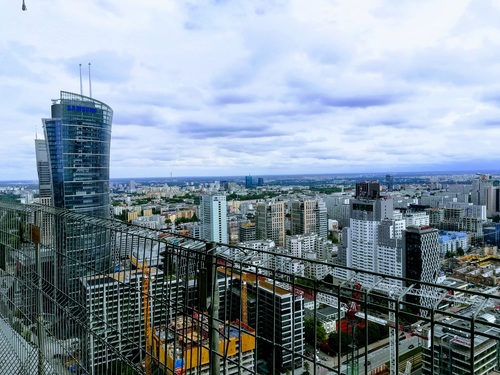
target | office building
x=248, y=182
x=389, y=181
x=270, y=222
x=43, y=170
x=479, y=188
x=367, y=190
x=421, y=255
x=78, y=136
x=362, y=245
x=247, y=232
x=451, y=346
x=280, y=316
x=214, y=217
x=309, y=216
x=112, y=302
x=390, y=247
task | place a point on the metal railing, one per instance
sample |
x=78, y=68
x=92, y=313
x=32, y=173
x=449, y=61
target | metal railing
x=85, y=295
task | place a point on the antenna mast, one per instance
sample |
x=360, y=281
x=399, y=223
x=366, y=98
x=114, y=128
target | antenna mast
x=81, y=89
x=90, y=84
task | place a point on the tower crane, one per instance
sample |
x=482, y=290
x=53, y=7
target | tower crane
x=395, y=293
x=146, y=307
x=354, y=315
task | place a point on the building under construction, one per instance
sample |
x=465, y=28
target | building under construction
x=183, y=347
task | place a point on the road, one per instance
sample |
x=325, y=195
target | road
x=374, y=357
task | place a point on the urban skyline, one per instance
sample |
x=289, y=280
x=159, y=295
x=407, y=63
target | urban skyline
x=225, y=88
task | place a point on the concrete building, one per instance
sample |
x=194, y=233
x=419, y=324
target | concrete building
x=280, y=316
x=247, y=232
x=214, y=217
x=452, y=241
x=417, y=219
x=451, y=346
x=309, y=216
x=112, y=305
x=270, y=221
x=390, y=247
x=362, y=245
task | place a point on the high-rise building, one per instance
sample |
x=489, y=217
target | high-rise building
x=214, y=217
x=78, y=137
x=479, y=189
x=247, y=232
x=389, y=180
x=279, y=314
x=270, y=222
x=421, y=257
x=360, y=246
x=367, y=190
x=43, y=170
x=248, y=182
x=309, y=216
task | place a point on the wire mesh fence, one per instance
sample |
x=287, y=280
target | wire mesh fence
x=85, y=295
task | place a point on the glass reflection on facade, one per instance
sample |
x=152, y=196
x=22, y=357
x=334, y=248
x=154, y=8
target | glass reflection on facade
x=78, y=136
x=78, y=142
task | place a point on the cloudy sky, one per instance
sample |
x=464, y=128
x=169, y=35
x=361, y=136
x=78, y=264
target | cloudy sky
x=260, y=87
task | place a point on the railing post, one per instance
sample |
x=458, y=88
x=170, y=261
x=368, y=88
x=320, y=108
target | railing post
x=213, y=326
x=35, y=238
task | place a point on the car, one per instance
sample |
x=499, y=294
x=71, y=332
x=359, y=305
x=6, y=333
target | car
x=324, y=358
x=411, y=346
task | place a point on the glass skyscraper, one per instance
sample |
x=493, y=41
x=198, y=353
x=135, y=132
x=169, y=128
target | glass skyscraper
x=78, y=139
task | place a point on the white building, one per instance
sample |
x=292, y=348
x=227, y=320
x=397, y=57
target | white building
x=214, y=217
x=417, y=219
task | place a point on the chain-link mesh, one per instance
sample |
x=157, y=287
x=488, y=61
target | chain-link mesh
x=84, y=295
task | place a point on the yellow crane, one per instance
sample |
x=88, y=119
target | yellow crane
x=146, y=307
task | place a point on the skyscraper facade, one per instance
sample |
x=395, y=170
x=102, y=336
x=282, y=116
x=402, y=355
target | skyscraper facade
x=309, y=216
x=214, y=217
x=270, y=222
x=78, y=137
x=421, y=258
x=248, y=182
x=43, y=170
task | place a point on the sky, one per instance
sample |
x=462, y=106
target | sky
x=220, y=88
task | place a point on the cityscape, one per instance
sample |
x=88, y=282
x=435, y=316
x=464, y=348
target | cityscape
x=269, y=188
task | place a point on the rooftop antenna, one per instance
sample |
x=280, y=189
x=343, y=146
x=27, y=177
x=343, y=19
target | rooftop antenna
x=24, y=6
x=81, y=90
x=90, y=84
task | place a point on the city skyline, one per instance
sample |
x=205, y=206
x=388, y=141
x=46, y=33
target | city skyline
x=224, y=88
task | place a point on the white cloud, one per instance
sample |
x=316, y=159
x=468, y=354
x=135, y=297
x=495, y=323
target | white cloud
x=234, y=87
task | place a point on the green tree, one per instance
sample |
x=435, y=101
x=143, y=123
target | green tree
x=309, y=332
x=334, y=343
x=450, y=254
x=460, y=252
x=306, y=368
